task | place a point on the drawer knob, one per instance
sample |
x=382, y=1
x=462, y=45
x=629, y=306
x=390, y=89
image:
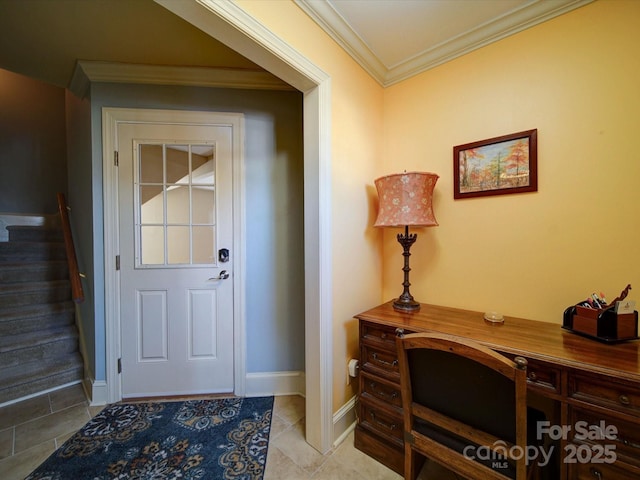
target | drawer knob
x=532, y=376
x=624, y=400
x=596, y=473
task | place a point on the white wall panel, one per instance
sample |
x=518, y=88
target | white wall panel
x=152, y=325
x=202, y=324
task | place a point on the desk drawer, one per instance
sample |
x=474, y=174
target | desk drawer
x=541, y=375
x=385, y=452
x=379, y=335
x=620, y=396
x=384, y=391
x=625, y=439
x=382, y=422
x=381, y=362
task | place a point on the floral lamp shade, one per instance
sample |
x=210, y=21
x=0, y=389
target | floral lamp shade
x=406, y=199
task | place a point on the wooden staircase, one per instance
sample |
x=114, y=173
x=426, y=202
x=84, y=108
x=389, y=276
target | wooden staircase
x=38, y=335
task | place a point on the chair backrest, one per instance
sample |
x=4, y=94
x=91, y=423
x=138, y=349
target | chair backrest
x=458, y=396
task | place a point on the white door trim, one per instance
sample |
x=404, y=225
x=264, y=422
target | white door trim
x=111, y=117
x=230, y=24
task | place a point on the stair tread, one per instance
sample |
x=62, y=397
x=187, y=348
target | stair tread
x=24, y=340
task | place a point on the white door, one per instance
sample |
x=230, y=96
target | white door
x=176, y=263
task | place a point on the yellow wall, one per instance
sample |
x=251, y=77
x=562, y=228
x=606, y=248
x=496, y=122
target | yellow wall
x=356, y=116
x=576, y=79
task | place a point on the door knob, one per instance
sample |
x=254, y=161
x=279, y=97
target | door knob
x=223, y=276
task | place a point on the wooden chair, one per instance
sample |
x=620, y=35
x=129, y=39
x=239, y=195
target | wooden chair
x=465, y=407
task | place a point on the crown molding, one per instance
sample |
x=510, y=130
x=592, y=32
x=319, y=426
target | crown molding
x=533, y=13
x=335, y=25
x=87, y=72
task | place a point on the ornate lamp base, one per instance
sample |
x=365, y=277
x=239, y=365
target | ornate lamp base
x=405, y=302
x=406, y=305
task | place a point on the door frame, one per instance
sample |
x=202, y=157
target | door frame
x=228, y=23
x=111, y=118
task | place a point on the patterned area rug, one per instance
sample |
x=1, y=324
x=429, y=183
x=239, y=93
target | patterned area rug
x=196, y=439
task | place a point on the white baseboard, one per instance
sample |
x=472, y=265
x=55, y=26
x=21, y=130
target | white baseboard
x=344, y=421
x=96, y=391
x=274, y=383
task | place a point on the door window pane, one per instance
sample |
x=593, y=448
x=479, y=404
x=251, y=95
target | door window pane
x=152, y=204
x=178, y=245
x=203, y=205
x=202, y=157
x=152, y=245
x=178, y=164
x=151, y=164
x=176, y=201
x=178, y=205
x=203, y=245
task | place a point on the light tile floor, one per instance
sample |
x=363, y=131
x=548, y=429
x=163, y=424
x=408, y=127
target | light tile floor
x=33, y=429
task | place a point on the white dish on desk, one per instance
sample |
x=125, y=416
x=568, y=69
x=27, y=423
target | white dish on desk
x=494, y=317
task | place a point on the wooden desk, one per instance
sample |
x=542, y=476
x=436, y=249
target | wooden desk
x=586, y=380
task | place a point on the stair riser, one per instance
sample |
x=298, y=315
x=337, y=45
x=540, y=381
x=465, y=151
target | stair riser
x=14, y=299
x=42, y=353
x=29, y=252
x=23, y=235
x=55, y=271
x=35, y=324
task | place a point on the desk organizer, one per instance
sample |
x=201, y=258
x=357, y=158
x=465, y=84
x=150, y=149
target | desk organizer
x=604, y=325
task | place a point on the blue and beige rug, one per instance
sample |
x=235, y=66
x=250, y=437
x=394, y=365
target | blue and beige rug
x=196, y=439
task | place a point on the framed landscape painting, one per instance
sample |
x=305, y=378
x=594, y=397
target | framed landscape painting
x=507, y=164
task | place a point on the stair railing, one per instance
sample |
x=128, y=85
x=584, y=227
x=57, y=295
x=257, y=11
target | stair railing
x=74, y=273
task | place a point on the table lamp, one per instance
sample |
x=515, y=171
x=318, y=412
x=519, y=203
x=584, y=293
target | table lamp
x=406, y=200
